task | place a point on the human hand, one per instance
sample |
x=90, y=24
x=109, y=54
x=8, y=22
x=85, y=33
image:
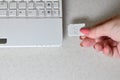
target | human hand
x=104, y=37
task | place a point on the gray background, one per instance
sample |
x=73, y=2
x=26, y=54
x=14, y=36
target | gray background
x=70, y=62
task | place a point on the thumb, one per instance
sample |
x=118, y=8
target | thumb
x=97, y=31
x=109, y=28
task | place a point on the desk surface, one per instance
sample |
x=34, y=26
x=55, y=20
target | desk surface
x=70, y=62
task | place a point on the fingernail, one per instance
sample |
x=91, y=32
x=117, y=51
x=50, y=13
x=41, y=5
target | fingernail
x=81, y=44
x=94, y=47
x=81, y=37
x=85, y=31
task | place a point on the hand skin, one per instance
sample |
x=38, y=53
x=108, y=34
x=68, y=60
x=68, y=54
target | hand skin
x=103, y=37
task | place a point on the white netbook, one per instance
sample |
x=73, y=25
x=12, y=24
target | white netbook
x=31, y=23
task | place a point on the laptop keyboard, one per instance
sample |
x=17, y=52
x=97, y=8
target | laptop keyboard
x=30, y=9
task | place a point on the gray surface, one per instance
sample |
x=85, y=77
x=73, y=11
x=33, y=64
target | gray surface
x=69, y=62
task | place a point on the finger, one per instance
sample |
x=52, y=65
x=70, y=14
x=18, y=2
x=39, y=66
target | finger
x=107, y=50
x=104, y=38
x=99, y=46
x=109, y=41
x=112, y=43
x=87, y=42
x=82, y=37
x=116, y=52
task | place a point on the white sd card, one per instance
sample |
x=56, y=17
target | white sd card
x=74, y=29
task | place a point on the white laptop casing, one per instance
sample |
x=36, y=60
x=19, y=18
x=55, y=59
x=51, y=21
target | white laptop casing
x=31, y=32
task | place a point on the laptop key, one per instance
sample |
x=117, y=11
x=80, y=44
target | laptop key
x=40, y=5
x=30, y=5
x=12, y=12
x=13, y=5
x=22, y=5
x=31, y=13
x=3, y=13
x=22, y=13
x=3, y=5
